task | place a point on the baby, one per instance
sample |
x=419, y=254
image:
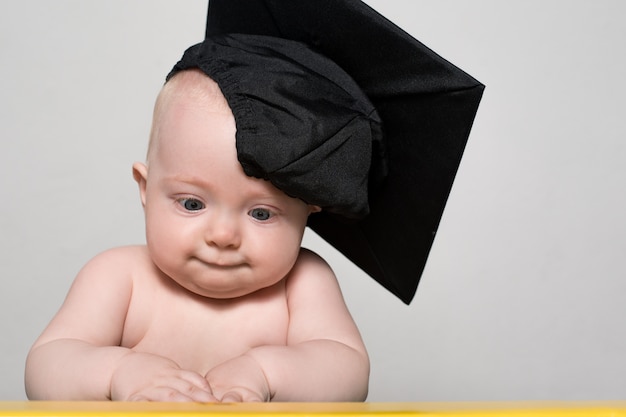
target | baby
x=222, y=303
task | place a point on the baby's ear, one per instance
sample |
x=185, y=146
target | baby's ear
x=140, y=174
x=314, y=209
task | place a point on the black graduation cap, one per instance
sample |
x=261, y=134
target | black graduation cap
x=426, y=108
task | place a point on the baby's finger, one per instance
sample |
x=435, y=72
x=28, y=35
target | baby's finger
x=240, y=396
x=232, y=397
x=196, y=380
x=194, y=387
x=169, y=394
x=177, y=387
x=164, y=394
x=201, y=396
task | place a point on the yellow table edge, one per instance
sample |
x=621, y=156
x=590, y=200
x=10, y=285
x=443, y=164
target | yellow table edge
x=395, y=409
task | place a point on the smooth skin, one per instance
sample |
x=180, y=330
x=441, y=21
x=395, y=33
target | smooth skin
x=221, y=304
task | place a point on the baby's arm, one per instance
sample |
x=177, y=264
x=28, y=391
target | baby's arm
x=324, y=360
x=78, y=356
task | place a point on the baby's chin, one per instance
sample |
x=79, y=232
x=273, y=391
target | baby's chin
x=226, y=293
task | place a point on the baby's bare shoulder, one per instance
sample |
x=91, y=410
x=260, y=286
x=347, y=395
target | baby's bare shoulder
x=310, y=262
x=311, y=259
x=115, y=266
x=317, y=309
x=310, y=272
x=126, y=254
x=96, y=305
x=120, y=258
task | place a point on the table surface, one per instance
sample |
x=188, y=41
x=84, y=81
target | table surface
x=452, y=409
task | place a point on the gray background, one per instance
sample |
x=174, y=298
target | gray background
x=523, y=295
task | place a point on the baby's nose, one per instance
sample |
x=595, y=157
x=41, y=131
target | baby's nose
x=223, y=231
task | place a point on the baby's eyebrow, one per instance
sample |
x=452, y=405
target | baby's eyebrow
x=188, y=179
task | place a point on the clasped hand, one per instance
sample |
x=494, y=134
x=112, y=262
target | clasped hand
x=148, y=377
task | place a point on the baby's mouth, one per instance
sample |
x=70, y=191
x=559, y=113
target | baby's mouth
x=221, y=264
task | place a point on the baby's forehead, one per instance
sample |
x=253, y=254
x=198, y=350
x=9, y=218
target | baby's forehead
x=194, y=85
x=191, y=89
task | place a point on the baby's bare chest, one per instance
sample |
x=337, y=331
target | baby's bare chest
x=197, y=333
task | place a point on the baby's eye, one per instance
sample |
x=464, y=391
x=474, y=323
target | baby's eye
x=191, y=204
x=261, y=214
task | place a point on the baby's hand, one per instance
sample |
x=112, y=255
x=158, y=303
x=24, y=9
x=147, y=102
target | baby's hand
x=147, y=377
x=240, y=379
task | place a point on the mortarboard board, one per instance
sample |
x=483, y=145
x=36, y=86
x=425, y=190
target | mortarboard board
x=425, y=104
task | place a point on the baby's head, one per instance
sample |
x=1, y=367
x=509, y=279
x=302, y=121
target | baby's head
x=210, y=227
x=250, y=135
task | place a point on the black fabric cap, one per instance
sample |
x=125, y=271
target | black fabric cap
x=426, y=105
x=302, y=122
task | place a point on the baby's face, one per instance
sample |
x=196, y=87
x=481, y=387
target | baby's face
x=210, y=227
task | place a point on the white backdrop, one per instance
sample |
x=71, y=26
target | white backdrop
x=523, y=295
